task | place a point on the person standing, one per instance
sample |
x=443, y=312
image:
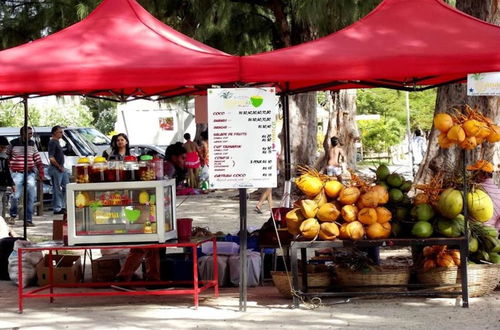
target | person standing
x=419, y=148
x=58, y=174
x=336, y=156
x=192, y=161
x=5, y=177
x=15, y=154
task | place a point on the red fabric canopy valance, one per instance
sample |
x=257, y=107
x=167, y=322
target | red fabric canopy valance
x=118, y=49
x=400, y=44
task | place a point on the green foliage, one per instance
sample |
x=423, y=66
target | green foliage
x=380, y=135
x=12, y=115
x=103, y=114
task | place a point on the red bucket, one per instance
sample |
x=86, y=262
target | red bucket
x=184, y=227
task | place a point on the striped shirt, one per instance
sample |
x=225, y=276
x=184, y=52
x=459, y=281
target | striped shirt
x=15, y=152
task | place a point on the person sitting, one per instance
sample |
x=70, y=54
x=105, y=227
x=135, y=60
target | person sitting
x=175, y=163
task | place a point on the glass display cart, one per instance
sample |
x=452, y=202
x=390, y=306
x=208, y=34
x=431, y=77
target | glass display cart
x=121, y=212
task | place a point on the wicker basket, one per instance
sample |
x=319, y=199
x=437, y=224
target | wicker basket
x=322, y=279
x=378, y=276
x=482, y=279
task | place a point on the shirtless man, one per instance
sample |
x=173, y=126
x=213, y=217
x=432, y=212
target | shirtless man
x=192, y=161
x=333, y=167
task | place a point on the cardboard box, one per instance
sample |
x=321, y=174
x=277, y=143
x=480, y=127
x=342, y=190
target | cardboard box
x=105, y=269
x=67, y=269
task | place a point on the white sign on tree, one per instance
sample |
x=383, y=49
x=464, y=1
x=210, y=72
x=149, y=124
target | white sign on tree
x=483, y=84
x=242, y=137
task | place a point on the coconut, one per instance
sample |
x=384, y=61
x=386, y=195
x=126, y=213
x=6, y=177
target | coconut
x=396, y=195
x=494, y=135
x=309, y=208
x=456, y=134
x=422, y=212
x=445, y=260
x=383, y=214
x=480, y=205
x=378, y=230
x=352, y=230
x=429, y=264
x=328, y=212
x=421, y=198
x=406, y=186
x=369, y=199
x=328, y=231
x=382, y=172
x=309, y=184
x=443, y=122
x=471, y=127
x=349, y=213
x=367, y=216
x=394, y=180
x=309, y=228
x=444, y=142
x=293, y=220
x=468, y=143
x=349, y=195
x=382, y=192
x=450, y=203
x=333, y=188
x=320, y=198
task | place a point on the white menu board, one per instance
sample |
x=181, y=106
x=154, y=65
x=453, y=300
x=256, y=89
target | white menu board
x=242, y=137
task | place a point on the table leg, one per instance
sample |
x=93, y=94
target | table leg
x=262, y=258
x=195, y=276
x=303, y=267
x=20, y=278
x=51, y=276
x=463, y=274
x=216, y=268
x=295, y=274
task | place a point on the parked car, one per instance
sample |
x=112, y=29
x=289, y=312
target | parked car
x=76, y=142
x=147, y=149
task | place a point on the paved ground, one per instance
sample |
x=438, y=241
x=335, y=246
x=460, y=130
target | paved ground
x=266, y=308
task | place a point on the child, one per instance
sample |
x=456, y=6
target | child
x=5, y=177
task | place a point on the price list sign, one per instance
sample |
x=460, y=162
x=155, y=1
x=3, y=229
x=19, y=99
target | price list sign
x=242, y=137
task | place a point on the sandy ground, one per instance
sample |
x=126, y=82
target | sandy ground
x=266, y=308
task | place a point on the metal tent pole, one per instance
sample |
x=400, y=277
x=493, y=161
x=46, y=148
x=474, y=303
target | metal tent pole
x=464, y=247
x=243, y=250
x=25, y=173
x=286, y=138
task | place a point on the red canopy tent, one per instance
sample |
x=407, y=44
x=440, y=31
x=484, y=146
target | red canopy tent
x=120, y=50
x=400, y=44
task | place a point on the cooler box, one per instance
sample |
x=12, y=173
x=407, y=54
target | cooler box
x=67, y=269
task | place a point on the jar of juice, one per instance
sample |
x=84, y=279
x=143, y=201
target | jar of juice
x=82, y=170
x=158, y=166
x=114, y=172
x=98, y=170
x=146, y=169
x=131, y=168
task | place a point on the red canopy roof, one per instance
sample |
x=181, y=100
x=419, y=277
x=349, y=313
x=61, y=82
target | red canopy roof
x=118, y=49
x=399, y=44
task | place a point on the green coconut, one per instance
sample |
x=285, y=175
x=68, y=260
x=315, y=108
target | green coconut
x=422, y=212
x=406, y=186
x=394, y=180
x=396, y=195
x=480, y=205
x=450, y=203
x=382, y=172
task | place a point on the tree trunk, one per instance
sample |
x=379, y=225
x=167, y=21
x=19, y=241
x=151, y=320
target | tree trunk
x=455, y=95
x=342, y=124
x=303, y=130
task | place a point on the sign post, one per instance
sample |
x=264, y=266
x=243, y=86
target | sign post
x=483, y=84
x=242, y=148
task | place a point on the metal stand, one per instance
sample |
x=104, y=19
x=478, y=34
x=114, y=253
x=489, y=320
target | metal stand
x=25, y=169
x=286, y=138
x=304, y=245
x=243, y=250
